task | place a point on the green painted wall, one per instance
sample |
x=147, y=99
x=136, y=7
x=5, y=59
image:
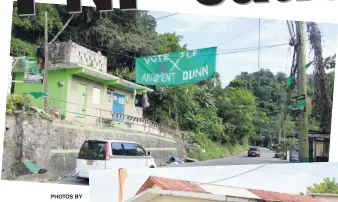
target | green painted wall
x=55, y=93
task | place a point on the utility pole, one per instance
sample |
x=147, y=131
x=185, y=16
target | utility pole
x=302, y=91
x=45, y=77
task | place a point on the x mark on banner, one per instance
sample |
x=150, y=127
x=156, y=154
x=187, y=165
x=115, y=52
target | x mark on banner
x=175, y=64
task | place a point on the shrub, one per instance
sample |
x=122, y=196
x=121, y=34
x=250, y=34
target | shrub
x=16, y=102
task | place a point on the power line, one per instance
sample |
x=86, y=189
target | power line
x=259, y=41
x=160, y=18
x=224, y=179
x=238, y=35
x=230, y=51
x=249, y=171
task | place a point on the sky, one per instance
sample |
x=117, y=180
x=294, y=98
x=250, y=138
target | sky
x=200, y=31
x=285, y=178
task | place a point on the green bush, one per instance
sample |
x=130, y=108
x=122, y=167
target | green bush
x=212, y=149
x=16, y=102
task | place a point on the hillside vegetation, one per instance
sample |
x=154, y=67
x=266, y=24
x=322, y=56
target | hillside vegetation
x=221, y=120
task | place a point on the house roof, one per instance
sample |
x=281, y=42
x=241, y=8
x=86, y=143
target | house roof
x=269, y=195
x=214, y=189
x=153, y=194
x=324, y=194
x=171, y=184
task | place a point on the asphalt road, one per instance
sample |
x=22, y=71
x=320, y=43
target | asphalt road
x=240, y=159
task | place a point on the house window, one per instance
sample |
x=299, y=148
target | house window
x=110, y=91
x=96, y=96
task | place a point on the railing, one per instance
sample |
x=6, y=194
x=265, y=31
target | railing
x=69, y=111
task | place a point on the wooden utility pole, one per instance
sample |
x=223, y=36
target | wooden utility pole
x=302, y=91
x=45, y=77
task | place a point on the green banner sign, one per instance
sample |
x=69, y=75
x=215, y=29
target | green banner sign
x=176, y=67
x=33, y=72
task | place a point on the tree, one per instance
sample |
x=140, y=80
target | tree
x=237, y=108
x=329, y=186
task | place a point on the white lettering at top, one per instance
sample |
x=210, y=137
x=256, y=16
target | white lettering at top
x=156, y=58
x=153, y=58
x=195, y=73
x=186, y=54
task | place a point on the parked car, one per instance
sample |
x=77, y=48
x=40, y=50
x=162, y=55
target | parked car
x=111, y=154
x=254, y=152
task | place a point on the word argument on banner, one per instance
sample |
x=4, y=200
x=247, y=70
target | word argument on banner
x=66, y=196
x=27, y=7
x=176, y=68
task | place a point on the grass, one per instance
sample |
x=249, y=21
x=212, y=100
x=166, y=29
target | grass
x=212, y=149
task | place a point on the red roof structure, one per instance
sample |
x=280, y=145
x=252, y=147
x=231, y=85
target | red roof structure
x=187, y=186
x=275, y=196
x=170, y=184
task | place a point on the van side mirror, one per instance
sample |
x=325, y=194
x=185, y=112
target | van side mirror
x=148, y=153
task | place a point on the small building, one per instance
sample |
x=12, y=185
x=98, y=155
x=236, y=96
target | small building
x=81, y=90
x=159, y=189
x=325, y=197
x=319, y=146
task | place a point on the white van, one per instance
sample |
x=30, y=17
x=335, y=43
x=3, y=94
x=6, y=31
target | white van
x=111, y=154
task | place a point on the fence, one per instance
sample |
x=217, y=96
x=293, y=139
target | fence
x=68, y=111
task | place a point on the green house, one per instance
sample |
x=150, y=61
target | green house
x=79, y=88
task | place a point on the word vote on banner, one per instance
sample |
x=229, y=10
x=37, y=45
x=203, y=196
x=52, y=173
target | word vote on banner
x=176, y=67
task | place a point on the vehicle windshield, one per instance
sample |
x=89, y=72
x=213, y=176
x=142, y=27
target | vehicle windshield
x=253, y=149
x=93, y=150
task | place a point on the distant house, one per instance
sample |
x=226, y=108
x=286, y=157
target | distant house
x=159, y=189
x=325, y=197
x=319, y=146
x=80, y=89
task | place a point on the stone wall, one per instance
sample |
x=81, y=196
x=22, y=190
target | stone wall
x=54, y=146
x=72, y=53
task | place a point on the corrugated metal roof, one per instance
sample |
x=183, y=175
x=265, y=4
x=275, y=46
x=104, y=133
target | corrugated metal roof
x=187, y=186
x=283, y=197
x=231, y=191
x=171, y=184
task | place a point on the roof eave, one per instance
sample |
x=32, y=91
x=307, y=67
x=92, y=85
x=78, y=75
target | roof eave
x=137, y=87
x=153, y=193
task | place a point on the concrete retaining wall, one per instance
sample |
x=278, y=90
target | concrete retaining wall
x=54, y=146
